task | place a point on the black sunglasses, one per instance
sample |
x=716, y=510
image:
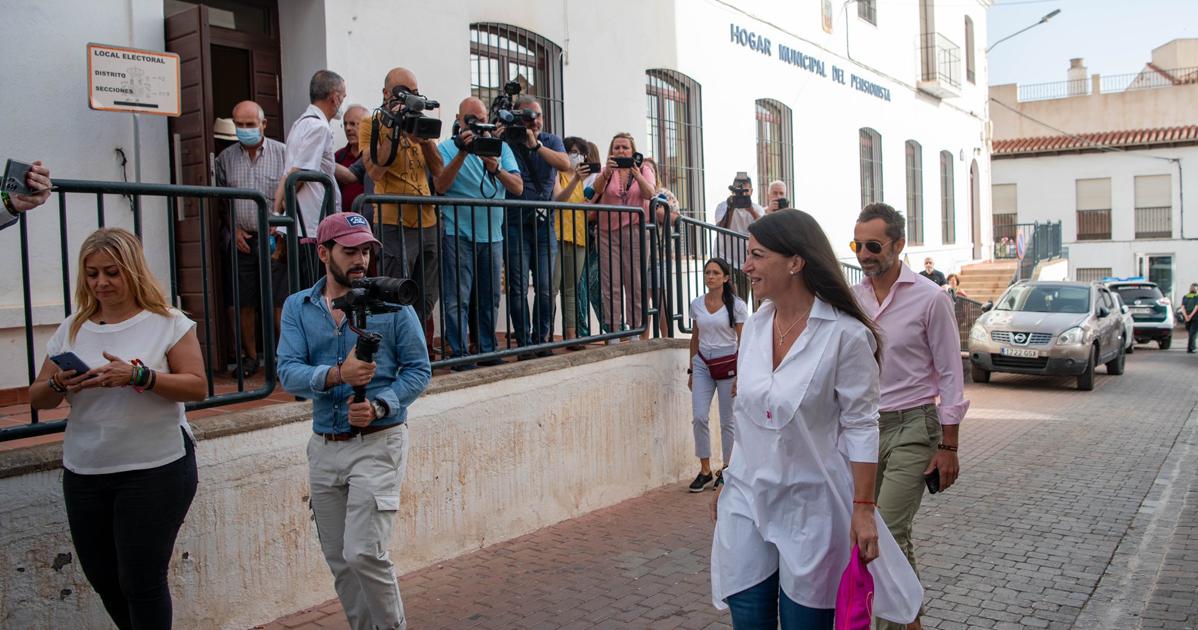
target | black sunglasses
x=874, y=247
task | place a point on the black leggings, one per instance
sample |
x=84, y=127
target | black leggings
x=124, y=526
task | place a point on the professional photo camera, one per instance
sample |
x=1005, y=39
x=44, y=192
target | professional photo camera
x=483, y=144
x=372, y=296
x=742, y=194
x=515, y=121
x=404, y=111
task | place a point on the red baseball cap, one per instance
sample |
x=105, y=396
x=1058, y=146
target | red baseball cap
x=349, y=229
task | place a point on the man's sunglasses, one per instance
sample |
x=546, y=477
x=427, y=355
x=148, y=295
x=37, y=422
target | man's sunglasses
x=874, y=247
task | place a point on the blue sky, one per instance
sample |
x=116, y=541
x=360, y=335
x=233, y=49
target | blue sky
x=1113, y=36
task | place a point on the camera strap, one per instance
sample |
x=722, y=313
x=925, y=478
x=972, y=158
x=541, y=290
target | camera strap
x=374, y=139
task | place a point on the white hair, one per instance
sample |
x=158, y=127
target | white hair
x=778, y=182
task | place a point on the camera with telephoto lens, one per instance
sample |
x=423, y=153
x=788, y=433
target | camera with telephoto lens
x=515, y=121
x=372, y=296
x=405, y=111
x=629, y=162
x=483, y=144
x=742, y=194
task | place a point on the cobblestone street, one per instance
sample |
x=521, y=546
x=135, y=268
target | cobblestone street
x=1074, y=509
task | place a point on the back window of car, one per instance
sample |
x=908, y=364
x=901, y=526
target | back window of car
x=1046, y=299
x=1132, y=293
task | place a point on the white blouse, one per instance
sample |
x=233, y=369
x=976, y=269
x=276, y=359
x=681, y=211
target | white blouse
x=716, y=337
x=119, y=429
x=787, y=500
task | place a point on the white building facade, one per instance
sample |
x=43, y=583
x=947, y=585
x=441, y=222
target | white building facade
x=1113, y=158
x=847, y=103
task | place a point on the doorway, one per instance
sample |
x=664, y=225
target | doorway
x=1157, y=268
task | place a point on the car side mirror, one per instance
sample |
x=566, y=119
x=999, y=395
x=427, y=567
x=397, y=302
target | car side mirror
x=987, y=306
x=1123, y=309
x=1103, y=312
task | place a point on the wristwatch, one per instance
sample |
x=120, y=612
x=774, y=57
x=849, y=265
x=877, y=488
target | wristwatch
x=538, y=147
x=381, y=410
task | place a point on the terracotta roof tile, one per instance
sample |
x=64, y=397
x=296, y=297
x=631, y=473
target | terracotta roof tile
x=1097, y=140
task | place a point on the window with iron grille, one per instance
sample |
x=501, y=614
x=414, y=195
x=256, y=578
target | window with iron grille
x=500, y=53
x=1092, y=274
x=969, y=72
x=871, y=166
x=674, y=126
x=868, y=10
x=914, y=193
x=775, y=147
x=948, y=205
x=1094, y=209
x=1154, y=206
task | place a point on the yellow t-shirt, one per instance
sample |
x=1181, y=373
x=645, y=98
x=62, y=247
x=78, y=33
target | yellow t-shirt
x=572, y=224
x=407, y=175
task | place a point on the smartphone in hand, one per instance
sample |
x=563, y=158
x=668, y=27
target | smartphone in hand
x=68, y=361
x=933, y=481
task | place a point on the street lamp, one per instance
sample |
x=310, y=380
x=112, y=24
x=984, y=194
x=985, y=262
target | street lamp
x=1042, y=20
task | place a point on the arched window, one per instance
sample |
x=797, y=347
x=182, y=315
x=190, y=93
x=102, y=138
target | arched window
x=948, y=206
x=914, y=193
x=775, y=147
x=674, y=124
x=500, y=53
x=871, y=166
x=969, y=73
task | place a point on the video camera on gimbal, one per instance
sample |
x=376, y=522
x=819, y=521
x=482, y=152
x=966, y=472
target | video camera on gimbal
x=368, y=296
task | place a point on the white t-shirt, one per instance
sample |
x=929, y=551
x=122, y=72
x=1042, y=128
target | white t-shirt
x=716, y=337
x=310, y=147
x=117, y=429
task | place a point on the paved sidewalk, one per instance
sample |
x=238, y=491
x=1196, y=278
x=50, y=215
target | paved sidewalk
x=1045, y=521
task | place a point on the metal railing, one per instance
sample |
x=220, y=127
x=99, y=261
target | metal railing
x=1094, y=225
x=1147, y=79
x=478, y=307
x=940, y=59
x=967, y=312
x=1041, y=241
x=1154, y=222
x=193, y=203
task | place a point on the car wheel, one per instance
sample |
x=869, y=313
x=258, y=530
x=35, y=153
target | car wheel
x=1114, y=367
x=1085, y=381
x=979, y=375
x=1131, y=346
x=1165, y=342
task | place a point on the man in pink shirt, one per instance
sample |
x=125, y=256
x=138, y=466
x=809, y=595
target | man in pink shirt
x=922, y=385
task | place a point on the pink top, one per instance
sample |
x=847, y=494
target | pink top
x=921, y=346
x=615, y=195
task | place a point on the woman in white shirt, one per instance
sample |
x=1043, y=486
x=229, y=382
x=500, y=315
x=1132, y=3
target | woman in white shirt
x=716, y=322
x=799, y=494
x=129, y=459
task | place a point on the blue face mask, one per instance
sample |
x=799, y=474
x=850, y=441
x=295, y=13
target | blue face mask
x=249, y=137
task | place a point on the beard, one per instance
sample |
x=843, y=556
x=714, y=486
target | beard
x=342, y=276
x=878, y=267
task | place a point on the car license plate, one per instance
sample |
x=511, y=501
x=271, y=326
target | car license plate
x=1020, y=352
x=1142, y=310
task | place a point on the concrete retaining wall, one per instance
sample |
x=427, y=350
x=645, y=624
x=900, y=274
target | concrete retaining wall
x=495, y=454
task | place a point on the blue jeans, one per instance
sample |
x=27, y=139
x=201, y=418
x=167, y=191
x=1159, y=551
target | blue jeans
x=531, y=246
x=758, y=608
x=470, y=272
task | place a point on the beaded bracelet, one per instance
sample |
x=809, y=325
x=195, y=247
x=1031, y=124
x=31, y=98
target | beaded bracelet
x=56, y=386
x=946, y=447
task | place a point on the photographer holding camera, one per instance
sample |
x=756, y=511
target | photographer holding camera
x=400, y=162
x=532, y=244
x=358, y=450
x=479, y=166
x=737, y=213
x=776, y=196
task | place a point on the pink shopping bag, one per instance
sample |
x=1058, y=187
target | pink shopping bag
x=855, y=597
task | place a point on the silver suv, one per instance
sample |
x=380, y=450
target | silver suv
x=1051, y=328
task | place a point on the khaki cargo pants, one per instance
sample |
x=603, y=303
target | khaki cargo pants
x=908, y=439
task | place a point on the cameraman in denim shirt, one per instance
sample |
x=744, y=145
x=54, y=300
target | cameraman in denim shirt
x=357, y=453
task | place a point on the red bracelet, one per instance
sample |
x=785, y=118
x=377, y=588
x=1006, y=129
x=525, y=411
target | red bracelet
x=860, y=502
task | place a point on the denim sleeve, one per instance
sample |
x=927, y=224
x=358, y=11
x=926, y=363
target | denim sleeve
x=295, y=374
x=413, y=370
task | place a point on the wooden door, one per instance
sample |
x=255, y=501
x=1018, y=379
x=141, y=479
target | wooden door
x=191, y=134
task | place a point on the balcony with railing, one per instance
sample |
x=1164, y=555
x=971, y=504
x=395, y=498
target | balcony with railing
x=1146, y=79
x=1094, y=225
x=1154, y=222
x=939, y=65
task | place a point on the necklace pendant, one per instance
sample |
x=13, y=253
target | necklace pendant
x=769, y=415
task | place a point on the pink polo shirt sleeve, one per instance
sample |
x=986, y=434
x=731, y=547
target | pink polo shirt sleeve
x=944, y=341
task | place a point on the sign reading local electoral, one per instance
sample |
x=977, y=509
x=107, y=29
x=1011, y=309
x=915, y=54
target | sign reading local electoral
x=131, y=80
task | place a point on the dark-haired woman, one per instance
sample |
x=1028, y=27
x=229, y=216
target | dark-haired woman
x=716, y=319
x=798, y=496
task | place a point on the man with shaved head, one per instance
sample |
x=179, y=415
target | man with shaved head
x=472, y=249
x=255, y=162
x=350, y=174
x=409, y=233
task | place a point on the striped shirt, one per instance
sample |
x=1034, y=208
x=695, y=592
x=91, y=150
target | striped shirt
x=235, y=169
